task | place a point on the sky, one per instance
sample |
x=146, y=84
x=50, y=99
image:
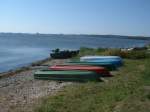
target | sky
x=115, y=17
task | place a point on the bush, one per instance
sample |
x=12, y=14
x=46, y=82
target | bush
x=137, y=54
x=57, y=54
x=133, y=54
x=91, y=51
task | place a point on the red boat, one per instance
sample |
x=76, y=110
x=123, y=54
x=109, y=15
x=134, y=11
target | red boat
x=100, y=70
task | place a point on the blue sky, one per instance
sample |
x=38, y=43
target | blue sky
x=123, y=17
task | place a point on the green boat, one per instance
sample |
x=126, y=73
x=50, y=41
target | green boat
x=67, y=75
x=108, y=66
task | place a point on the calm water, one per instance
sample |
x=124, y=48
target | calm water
x=20, y=50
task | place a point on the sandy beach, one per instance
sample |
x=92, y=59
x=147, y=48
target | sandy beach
x=19, y=91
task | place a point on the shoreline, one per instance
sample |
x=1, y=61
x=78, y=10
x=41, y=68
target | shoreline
x=24, y=68
x=20, y=92
x=34, y=64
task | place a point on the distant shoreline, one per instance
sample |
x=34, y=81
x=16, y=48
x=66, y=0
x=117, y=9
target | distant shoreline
x=76, y=35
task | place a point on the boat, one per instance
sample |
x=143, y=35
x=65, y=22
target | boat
x=109, y=66
x=117, y=63
x=100, y=70
x=116, y=60
x=96, y=57
x=65, y=75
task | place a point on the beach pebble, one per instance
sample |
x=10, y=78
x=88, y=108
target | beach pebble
x=21, y=90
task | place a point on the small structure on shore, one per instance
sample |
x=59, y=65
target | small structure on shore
x=136, y=48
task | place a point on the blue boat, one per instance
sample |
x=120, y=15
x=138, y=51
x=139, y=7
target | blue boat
x=115, y=60
x=96, y=57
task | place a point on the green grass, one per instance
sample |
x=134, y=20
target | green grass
x=91, y=51
x=134, y=54
x=127, y=91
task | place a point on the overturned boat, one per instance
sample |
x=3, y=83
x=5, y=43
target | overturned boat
x=65, y=75
x=100, y=70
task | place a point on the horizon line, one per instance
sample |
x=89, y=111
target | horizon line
x=36, y=33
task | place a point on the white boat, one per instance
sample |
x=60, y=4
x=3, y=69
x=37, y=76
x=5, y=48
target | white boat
x=86, y=58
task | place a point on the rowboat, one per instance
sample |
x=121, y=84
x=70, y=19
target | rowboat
x=116, y=60
x=84, y=58
x=72, y=75
x=109, y=66
x=100, y=70
x=117, y=63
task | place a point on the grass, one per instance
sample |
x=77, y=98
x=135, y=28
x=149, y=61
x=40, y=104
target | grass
x=90, y=51
x=127, y=91
x=133, y=54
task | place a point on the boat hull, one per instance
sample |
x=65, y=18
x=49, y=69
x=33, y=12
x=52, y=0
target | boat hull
x=116, y=60
x=100, y=58
x=67, y=75
x=108, y=66
x=117, y=63
x=100, y=70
